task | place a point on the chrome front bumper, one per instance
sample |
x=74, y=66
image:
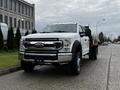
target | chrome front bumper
x=62, y=57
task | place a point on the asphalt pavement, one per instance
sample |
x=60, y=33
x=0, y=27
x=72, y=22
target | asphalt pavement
x=102, y=74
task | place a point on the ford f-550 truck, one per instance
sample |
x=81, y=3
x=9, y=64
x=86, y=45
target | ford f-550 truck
x=57, y=44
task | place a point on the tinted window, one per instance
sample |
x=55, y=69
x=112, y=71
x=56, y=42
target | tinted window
x=72, y=28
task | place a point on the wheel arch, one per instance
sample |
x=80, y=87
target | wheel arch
x=77, y=47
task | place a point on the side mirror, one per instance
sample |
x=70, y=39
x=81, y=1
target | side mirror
x=87, y=32
x=82, y=34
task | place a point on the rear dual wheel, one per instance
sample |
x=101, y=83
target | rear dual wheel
x=93, y=53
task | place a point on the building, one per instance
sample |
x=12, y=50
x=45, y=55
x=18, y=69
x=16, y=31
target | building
x=18, y=13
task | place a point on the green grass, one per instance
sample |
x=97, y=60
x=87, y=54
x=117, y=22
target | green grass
x=8, y=59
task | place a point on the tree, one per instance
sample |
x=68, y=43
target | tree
x=17, y=38
x=27, y=32
x=1, y=39
x=108, y=39
x=34, y=31
x=118, y=38
x=10, y=39
x=101, y=37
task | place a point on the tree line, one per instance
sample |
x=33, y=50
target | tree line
x=103, y=38
x=117, y=39
x=13, y=40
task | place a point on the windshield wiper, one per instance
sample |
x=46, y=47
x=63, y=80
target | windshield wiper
x=45, y=32
x=60, y=31
x=53, y=31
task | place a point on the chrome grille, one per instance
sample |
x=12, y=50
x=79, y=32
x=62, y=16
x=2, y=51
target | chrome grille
x=43, y=44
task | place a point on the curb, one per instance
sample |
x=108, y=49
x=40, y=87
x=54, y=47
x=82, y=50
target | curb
x=9, y=70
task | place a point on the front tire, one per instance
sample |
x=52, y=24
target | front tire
x=56, y=64
x=27, y=66
x=76, y=64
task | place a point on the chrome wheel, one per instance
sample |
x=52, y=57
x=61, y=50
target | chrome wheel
x=78, y=63
x=75, y=64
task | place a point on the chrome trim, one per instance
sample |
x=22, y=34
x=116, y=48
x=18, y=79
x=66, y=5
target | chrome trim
x=62, y=58
x=44, y=48
x=21, y=52
x=44, y=42
x=40, y=54
x=33, y=42
x=64, y=54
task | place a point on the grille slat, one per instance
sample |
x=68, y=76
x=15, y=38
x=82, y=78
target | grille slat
x=41, y=52
x=41, y=39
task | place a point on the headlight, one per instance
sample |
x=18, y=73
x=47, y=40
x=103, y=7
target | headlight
x=22, y=48
x=66, y=45
x=66, y=42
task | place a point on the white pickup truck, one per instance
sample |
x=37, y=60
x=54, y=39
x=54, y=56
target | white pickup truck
x=57, y=44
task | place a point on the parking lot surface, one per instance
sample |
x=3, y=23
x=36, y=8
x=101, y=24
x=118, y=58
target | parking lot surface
x=102, y=74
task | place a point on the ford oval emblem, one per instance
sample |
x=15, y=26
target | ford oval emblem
x=39, y=45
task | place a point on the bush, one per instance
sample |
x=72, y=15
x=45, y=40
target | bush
x=34, y=31
x=17, y=38
x=101, y=37
x=26, y=33
x=10, y=39
x=1, y=39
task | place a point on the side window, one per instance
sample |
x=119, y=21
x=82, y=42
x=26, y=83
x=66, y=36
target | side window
x=81, y=29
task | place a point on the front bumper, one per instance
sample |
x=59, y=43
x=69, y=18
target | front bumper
x=61, y=58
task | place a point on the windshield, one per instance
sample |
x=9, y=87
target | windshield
x=60, y=28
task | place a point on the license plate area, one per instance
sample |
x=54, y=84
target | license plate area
x=41, y=57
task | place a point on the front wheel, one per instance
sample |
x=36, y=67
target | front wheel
x=56, y=64
x=27, y=66
x=76, y=64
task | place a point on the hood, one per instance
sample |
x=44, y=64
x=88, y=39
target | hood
x=52, y=35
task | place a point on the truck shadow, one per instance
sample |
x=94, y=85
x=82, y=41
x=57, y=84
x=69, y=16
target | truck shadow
x=51, y=71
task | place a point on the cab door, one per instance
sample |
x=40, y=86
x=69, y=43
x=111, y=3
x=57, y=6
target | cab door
x=84, y=40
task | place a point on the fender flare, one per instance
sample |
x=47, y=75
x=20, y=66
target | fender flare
x=77, y=47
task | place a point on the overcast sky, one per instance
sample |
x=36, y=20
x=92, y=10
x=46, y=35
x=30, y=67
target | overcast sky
x=86, y=12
